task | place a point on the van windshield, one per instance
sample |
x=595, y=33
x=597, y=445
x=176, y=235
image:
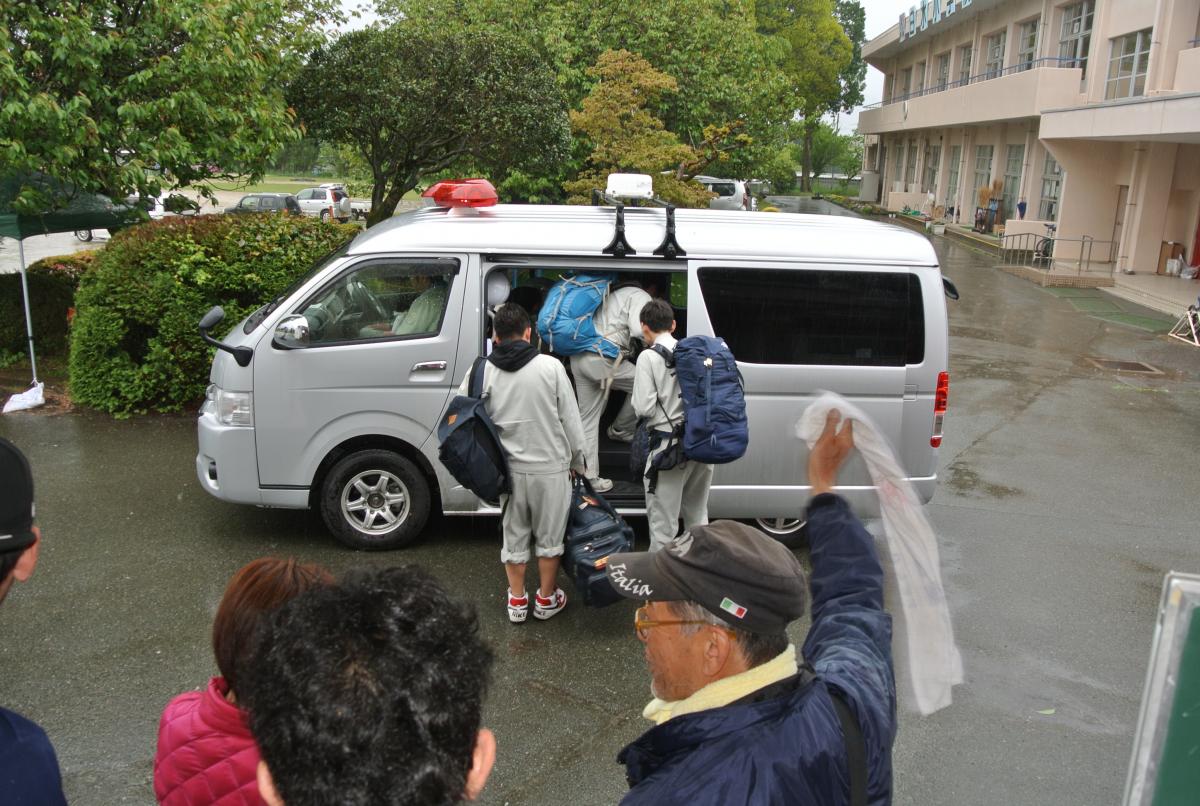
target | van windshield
x=255, y=319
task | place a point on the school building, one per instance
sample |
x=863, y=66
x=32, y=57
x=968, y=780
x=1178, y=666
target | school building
x=1083, y=114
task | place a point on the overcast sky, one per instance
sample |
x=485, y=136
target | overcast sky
x=881, y=15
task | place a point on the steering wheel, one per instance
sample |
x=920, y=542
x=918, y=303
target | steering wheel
x=361, y=298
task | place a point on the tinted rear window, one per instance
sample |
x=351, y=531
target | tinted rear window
x=855, y=318
x=723, y=188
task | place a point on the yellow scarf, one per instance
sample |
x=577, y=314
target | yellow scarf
x=726, y=690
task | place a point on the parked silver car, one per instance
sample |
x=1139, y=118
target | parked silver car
x=326, y=202
x=731, y=193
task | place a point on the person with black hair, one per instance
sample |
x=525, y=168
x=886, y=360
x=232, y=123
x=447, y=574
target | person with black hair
x=29, y=771
x=680, y=489
x=370, y=692
x=530, y=400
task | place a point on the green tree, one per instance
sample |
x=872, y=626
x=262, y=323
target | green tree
x=850, y=160
x=727, y=73
x=117, y=96
x=415, y=100
x=625, y=135
x=820, y=51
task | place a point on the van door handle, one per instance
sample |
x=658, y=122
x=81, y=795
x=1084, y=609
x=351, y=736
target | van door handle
x=430, y=366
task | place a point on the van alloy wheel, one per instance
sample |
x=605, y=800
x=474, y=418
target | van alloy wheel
x=791, y=532
x=375, y=500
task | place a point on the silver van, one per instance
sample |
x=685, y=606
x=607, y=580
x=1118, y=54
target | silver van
x=329, y=396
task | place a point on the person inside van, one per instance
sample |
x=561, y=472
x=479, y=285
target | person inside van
x=205, y=751
x=425, y=313
x=529, y=398
x=595, y=375
x=673, y=488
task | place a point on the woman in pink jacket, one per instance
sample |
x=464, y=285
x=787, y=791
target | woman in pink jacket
x=206, y=754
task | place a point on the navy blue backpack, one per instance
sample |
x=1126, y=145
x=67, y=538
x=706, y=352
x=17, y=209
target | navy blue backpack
x=470, y=444
x=715, y=429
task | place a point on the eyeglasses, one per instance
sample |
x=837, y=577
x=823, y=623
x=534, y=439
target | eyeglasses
x=641, y=623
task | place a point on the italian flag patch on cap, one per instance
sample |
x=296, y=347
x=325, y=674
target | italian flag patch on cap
x=733, y=608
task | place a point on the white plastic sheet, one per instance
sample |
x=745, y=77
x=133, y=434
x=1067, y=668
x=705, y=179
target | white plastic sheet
x=934, y=663
x=32, y=398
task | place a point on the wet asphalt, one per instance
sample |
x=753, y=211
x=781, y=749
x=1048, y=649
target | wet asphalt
x=1066, y=493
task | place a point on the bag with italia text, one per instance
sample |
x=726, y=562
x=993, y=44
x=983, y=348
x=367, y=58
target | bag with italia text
x=594, y=532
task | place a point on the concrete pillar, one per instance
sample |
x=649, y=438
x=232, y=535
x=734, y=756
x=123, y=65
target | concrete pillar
x=1087, y=203
x=1027, y=181
x=1149, y=195
x=965, y=203
x=939, y=192
x=1047, y=33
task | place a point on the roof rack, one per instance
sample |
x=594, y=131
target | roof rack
x=619, y=246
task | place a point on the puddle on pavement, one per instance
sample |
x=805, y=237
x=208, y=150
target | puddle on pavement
x=964, y=481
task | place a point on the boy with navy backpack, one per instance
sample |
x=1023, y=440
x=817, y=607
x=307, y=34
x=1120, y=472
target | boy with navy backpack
x=529, y=399
x=677, y=489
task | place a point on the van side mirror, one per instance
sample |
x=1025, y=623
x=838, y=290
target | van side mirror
x=210, y=320
x=292, y=332
x=949, y=287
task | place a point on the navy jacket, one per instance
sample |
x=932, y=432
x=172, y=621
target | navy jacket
x=784, y=744
x=29, y=773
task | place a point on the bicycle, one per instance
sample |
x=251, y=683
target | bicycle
x=1045, y=246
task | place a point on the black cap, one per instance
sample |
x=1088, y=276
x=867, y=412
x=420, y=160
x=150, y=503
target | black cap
x=16, y=499
x=733, y=571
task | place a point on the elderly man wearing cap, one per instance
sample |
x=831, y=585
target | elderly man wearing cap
x=739, y=718
x=28, y=767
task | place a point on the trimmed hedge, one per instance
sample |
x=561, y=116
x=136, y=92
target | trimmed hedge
x=52, y=284
x=134, y=344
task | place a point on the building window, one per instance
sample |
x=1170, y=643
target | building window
x=943, y=71
x=964, y=64
x=994, y=51
x=910, y=165
x=933, y=155
x=897, y=161
x=983, y=170
x=1051, y=188
x=920, y=76
x=1127, y=65
x=1013, y=168
x=905, y=83
x=952, y=176
x=1027, y=45
x=1075, y=38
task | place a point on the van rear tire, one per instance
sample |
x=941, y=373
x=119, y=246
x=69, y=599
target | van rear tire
x=375, y=500
x=791, y=532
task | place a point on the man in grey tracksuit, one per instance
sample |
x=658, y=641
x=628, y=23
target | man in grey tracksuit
x=682, y=489
x=595, y=375
x=529, y=398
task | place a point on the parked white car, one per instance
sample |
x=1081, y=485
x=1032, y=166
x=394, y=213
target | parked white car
x=731, y=193
x=326, y=202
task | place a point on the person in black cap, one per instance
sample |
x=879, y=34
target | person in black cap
x=28, y=767
x=739, y=718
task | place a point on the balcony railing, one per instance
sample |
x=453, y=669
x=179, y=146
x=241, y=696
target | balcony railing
x=988, y=75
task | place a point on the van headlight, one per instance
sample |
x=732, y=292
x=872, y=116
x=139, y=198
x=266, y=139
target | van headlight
x=230, y=408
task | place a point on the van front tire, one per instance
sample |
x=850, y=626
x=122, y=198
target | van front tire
x=375, y=500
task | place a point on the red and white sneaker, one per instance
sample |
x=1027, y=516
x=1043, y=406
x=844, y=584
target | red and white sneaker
x=544, y=608
x=518, y=607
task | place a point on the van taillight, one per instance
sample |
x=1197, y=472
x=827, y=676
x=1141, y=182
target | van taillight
x=940, y=398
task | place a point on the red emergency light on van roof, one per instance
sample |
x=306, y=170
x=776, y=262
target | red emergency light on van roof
x=462, y=193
